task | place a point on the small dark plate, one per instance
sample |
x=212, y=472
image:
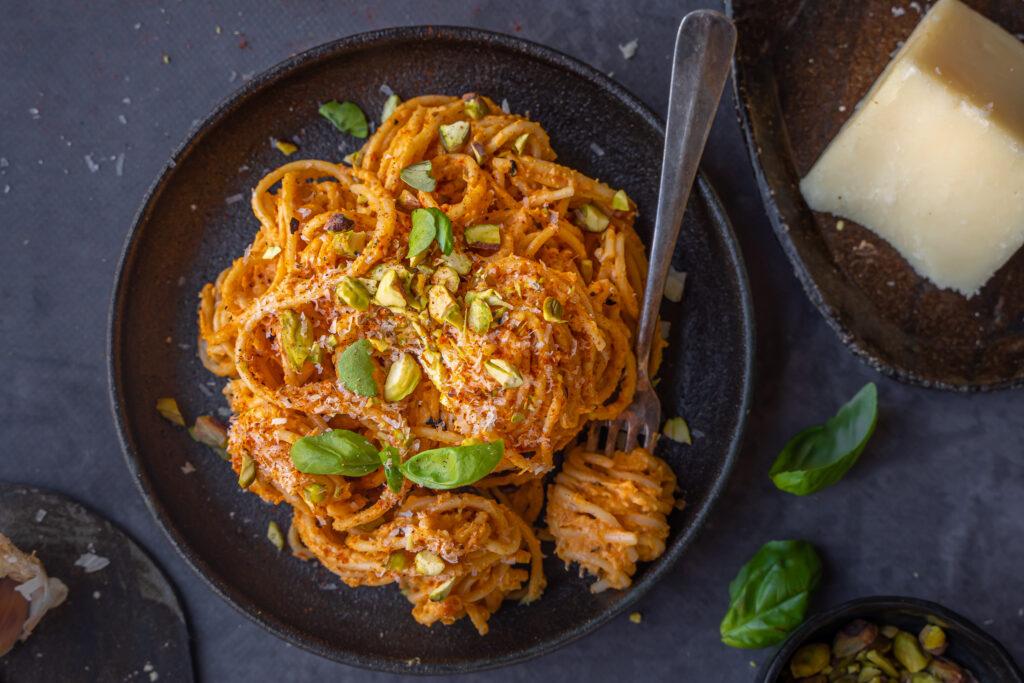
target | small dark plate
x=800, y=69
x=90, y=636
x=969, y=645
x=195, y=221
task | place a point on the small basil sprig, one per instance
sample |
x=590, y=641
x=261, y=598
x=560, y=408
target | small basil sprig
x=392, y=461
x=338, y=451
x=454, y=466
x=769, y=596
x=346, y=117
x=819, y=456
x=426, y=225
x=355, y=369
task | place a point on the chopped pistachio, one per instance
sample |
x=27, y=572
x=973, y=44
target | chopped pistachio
x=390, y=104
x=484, y=235
x=809, y=660
x=380, y=344
x=403, y=377
x=389, y=291
x=338, y=222
x=480, y=317
x=271, y=252
x=931, y=637
x=908, y=653
x=442, y=591
x=316, y=493
x=517, y=417
x=946, y=671
x=890, y=631
x=349, y=242
x=454, y=135
x=459, y=261
x=520, y=144
x=590, y=218
x=210, y=431
x=479, y=152
x=429, y=563
x=587, y=269
x=620, y=202
x=504, y=373
x=354, y=293
x=286, y=148
x=677, y=430
x=636, y=617
x=446, y=275
x=490, y=296
x=553, y=310
x=296, y=337
x=397, y=561
x=852, y=638
x=355, y=159
x=476, y=108
x=168, y=407
x=418, y=259
x=440, y=302
x=275, y=536
x=883, y=663
x=247, y=472
x=418, y=284
x=868, y=674
x=408, y=202
x=922, y=677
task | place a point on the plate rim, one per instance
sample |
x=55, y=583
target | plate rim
x=337, y=49
x=765, y=189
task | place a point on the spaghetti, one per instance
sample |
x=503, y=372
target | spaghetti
x=557, y=281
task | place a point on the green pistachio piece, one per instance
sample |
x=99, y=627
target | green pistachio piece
x=490, y=296
x=168, y=408
x=809, y=660
x=403, y=377
x=440, y=302
x=275, y=536
x=418, y=284
x=316, y=493
x=247, y=472
x=271, y=252
x=852, y=638
x=355, y=159
x=428, y=563
x=591, y=219
x=922, y=677
x=504, y=373
x=520, y=144
x=485, y=236
x=946, y=671
x=931, y=637
x=296, y=337
x=454, y=135
x=446, y=275
x=869, y=674
x=397, y=561
x=553, y=310
x=475, y=107
x=908, y=653
x=442, y=591
x=459, y=261
x=480, y=317
x=389, y=292
x=883, y=663
x=349, y=242
x=587, y=269
x=390, y=104
x=620, y=202
x=479, y=152
x=354, y=293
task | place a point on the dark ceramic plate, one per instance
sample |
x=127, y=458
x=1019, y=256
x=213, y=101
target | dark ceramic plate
x=800, y=68
x=193, y=223
x=969, y=645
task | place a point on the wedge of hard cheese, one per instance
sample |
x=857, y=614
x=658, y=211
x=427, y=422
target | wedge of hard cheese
x=933, y=159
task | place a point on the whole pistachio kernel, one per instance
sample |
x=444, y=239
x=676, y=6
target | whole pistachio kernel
x=620, y=202
x=520, y=144
x=446, y=275
x=440, y=302
x=454, y=135
x=591, y=219
x=428, y=563
x=316, y=493
x=475, y=107
x=354, y=293
x=442, y=591
x=247, y=472
x=480, y=317
x=459, y=261
x=389, y=291
x=504, y=373
x=484, y=235
x=932, y=639
x=908, y=653
x=402, y=379
x=553, y=310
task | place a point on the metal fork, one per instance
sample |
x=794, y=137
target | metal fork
x=703, y=53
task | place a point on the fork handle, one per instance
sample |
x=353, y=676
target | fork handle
x=703, y=53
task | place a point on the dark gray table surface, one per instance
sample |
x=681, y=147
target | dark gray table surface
x=90, y=112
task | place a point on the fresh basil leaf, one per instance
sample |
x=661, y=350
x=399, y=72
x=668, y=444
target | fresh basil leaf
x=392, y=460
x=445, y=238
x=449, y=468
x=769, y=596
x=419, y=176
x=346, y=117
x=355, y=369
x=338, y=451
x=819, y=456
x=424, y=229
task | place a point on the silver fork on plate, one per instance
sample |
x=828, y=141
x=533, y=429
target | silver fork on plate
x=703, y=53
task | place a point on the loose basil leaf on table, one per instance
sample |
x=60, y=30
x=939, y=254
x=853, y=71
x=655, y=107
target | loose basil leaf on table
x=769, y=596
x=346, y=117
x=338, y=451
x=392, y=462
x=452, y=467
x=355, y=369
x=819, y=456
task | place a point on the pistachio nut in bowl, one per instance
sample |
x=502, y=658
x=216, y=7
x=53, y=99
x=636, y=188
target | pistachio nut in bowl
x=886, y=639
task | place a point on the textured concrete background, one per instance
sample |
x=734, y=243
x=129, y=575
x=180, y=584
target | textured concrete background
x=90, y=112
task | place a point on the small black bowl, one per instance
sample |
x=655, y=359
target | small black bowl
x=969, y=646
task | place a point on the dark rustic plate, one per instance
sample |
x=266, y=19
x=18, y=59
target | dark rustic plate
x=193, y=223
x=800, y=68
